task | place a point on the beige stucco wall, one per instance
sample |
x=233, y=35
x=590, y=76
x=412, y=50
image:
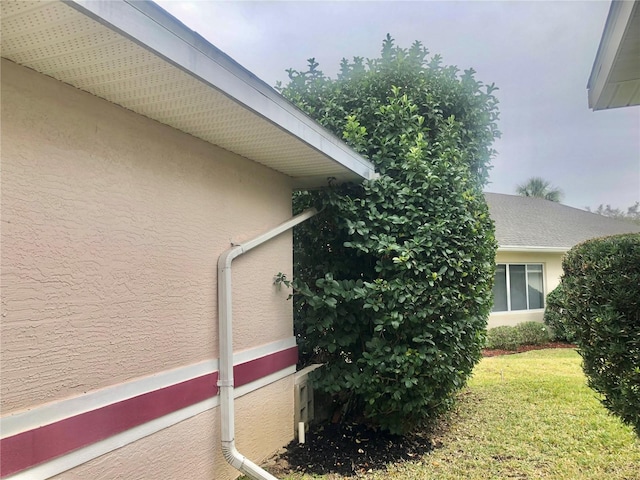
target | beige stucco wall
x=111, y=228
x=552, y=268
x=191, y=450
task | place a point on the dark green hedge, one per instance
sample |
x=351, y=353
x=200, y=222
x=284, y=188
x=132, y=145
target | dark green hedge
x=601, y=285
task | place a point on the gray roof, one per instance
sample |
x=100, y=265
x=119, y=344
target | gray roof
x=527, y=223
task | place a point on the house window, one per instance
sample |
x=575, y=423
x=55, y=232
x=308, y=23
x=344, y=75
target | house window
x=518, y=287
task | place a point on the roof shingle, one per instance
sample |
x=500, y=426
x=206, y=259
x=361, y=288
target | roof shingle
x=538, y=223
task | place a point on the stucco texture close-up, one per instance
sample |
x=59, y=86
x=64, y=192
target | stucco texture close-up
x=111, y=228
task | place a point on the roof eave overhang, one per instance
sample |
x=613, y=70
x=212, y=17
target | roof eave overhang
x=319, y=155
x=147, y=24
x=620, y=34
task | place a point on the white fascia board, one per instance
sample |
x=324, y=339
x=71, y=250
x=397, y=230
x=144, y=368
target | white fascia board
x=618, y=21
x=532, y=249
x=154, y=29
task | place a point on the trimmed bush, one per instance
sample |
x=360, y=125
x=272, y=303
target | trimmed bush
x=601, y=285
x=393, y=279
x=532, y=333
x=510, y=338
x=502, y=338
x=555, y=316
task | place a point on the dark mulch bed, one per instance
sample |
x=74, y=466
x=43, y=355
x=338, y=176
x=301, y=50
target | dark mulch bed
x=348, y=449
x=526, y=348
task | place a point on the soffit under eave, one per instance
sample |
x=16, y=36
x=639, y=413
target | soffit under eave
x=615, y=78
x=64, y=43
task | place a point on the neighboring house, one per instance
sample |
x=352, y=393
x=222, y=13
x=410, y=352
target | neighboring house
x=615, y=77
x=533, y=234
x=134, y=153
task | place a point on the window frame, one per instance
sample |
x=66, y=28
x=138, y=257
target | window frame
x=508, y=286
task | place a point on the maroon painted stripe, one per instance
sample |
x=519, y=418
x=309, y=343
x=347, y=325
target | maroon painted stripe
x=33, y=447
x=261, y=367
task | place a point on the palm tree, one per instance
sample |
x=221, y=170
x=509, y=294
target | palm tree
x=540, y=188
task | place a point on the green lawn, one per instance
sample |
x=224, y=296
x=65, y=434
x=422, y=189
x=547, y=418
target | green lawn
x=526, y=416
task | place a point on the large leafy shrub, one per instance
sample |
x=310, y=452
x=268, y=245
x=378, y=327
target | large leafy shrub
x=601, y=283
x=555, y=316
x=394, y=276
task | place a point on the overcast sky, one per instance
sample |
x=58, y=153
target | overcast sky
x=539, y=54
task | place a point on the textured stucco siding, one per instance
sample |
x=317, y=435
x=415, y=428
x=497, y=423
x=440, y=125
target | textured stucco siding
x=191, y=450
x=552, y=268
x=111, y=228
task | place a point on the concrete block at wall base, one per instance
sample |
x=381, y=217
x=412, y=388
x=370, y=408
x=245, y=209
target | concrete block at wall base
x=304, y=409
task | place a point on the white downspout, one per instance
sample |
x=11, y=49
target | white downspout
x=225, y=380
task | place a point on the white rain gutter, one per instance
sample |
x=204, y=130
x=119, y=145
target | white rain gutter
x=532, y=249
x=225, y=380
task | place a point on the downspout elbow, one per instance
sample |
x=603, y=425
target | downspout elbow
x=231, y=455
x=242, y=463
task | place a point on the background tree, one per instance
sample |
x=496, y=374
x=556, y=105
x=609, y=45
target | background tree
x=540, y=188
x=393, y=279
x=631, y=214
